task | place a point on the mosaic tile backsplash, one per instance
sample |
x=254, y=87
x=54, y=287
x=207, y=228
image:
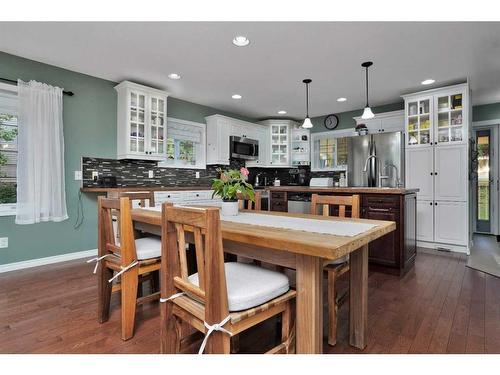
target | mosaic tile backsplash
x=134, y=173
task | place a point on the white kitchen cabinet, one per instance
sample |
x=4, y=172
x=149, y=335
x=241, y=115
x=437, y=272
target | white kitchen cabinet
x=220, y=128
x=419, y=171
x=450, y=173
x=419, y=121
x=425, y=220
x=280, y=134
x=218, y=133
x=437, y=131
x=261, y=134
x=385, y=122
x=450, y=223
x=141, y=122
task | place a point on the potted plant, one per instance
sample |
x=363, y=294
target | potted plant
x=229, y=184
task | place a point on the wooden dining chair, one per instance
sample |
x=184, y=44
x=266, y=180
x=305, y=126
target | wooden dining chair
x=221, y=299
x=245, y=202
x=127, y=259
x=335, y=268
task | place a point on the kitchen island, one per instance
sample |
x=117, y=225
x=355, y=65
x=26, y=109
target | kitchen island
x=393, y=253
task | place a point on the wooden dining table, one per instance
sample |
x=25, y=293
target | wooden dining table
x=306, y=252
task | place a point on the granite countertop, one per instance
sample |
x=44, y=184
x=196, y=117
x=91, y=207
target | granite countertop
x=352, y=190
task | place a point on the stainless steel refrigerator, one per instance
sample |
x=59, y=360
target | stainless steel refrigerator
x=387, y=162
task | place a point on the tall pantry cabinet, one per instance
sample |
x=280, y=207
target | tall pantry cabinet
x=437, y=149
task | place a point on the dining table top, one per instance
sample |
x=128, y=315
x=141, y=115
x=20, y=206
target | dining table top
x=327, y=246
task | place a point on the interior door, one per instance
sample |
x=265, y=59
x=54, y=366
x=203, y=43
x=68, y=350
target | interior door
x=484, y=181
x=419, y=166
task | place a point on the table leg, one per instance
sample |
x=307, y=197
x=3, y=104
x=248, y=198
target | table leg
x=358, y=297
x=309, y=316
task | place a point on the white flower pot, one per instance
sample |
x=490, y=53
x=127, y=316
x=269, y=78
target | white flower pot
x=229, y=208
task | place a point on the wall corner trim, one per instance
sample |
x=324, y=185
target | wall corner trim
x=47, y=260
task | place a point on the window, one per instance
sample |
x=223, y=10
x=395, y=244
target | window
x=8, y=149
x=185, y=145
x=329, y=152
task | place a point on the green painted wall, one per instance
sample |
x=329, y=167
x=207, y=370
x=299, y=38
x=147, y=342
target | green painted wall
x=486, y=112
x=346, y=118
x=89, y=130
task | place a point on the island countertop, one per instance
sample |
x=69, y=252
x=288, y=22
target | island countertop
x=98, y=189
x=351, y=190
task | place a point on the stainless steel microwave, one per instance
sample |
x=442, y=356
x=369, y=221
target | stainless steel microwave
x=244, y=148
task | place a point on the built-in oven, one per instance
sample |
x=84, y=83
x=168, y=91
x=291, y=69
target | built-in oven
x=244, y=148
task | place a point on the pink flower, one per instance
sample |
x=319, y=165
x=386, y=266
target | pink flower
x=244, y=171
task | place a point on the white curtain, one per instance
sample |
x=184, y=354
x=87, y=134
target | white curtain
x=40, y=167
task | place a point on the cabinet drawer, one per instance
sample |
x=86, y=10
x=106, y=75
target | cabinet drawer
x=381, y=201
x=163, y=196
x=197, y=195
x=278, y=195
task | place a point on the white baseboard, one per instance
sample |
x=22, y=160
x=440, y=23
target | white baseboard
x=48, y=260
x=436, y=246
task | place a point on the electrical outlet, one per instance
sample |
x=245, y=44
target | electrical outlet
x=78, y=175
x=4, y=242
x=151, y=174
x=197, y=174
x=95, y=175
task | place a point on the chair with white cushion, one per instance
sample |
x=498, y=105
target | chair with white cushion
x=127, y=259
x=221, y=299
x=338, y=267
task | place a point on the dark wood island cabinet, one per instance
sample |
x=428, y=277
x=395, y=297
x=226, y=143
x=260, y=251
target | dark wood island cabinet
x=395, y=252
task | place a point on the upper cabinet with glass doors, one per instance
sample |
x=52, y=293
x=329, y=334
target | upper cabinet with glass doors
x=279, y=142
x=437, y=117
x=142, y=118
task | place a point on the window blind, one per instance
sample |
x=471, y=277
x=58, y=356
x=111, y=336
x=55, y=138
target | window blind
x=184, y=132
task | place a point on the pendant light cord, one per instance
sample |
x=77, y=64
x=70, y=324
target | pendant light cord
x=307, y=99
x=366, y=87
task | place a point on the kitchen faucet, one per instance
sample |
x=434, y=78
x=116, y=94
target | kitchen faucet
x=380, y=177
x=396, y=176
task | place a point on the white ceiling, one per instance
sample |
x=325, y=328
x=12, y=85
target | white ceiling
x=268, y=73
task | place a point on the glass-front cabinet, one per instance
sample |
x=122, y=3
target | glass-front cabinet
x=142, y=113
x=437, y=117
x=450, y=118
x=418, y=122
x=279, y=144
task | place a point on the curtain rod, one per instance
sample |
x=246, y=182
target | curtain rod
x=69, y=93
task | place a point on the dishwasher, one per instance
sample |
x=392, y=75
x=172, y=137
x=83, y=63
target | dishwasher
x=299, y=203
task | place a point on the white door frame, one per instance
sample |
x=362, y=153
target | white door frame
x=494, y=127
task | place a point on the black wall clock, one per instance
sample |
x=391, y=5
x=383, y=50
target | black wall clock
x=331, y=122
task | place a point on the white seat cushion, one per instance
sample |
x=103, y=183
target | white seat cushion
x=148, y=247
x=249, y=285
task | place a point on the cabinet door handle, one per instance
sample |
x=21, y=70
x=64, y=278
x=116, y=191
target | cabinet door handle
x=435, y=204
x=435, y=173
x=430, y=203
x=379, y=209
x=432, y=173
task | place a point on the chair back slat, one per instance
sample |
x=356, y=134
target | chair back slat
x=200, y=256
x=107, y=208
x=326, y=201
x=251, y=205
x=181, y=240
x=201, y=226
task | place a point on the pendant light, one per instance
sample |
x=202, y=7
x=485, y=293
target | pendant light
x=307, y=124
x=367, y=113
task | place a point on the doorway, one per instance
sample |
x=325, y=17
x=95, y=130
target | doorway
x=485, y=180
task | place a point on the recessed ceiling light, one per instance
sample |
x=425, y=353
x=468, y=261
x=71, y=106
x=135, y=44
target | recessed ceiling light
x=341, y=99
x=241, y=41
x=429, y=81
x=281, y=112
x=236, y=96
x=174, y=76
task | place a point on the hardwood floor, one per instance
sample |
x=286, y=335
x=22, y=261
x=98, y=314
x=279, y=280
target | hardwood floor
x=440, y=306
